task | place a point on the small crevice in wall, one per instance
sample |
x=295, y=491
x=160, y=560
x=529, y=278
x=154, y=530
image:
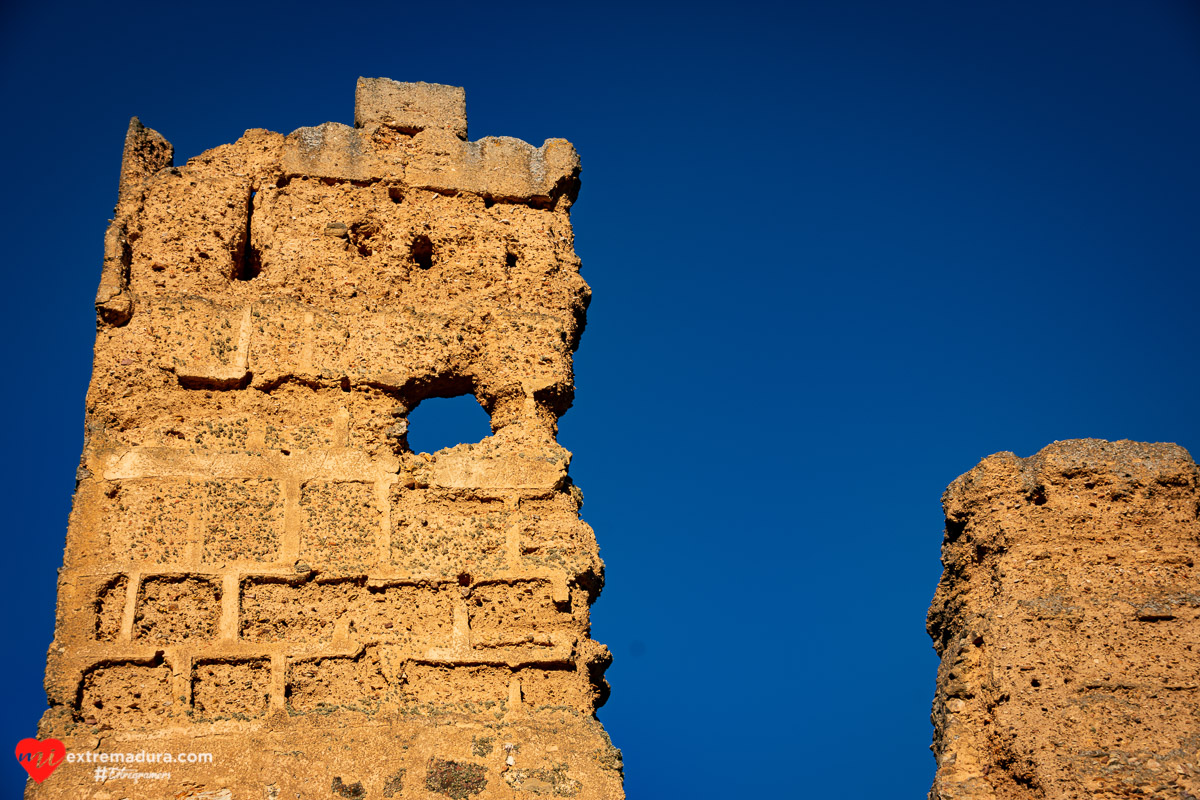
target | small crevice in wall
x=421, y=251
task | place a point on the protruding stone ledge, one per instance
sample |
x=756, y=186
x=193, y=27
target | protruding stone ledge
x=437, y=157
x=338, y=152
x=497, y=167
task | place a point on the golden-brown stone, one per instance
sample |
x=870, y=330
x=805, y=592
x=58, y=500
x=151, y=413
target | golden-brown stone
x=258, y=566
x=1068, y=624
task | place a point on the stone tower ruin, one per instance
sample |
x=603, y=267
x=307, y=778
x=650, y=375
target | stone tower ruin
x=1068, y=624
x=257, y=566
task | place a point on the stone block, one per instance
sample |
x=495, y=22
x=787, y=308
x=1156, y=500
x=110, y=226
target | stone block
x=411, y=107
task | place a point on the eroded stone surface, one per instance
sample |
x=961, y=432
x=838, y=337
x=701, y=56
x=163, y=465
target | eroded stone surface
x=1068, y=624
x=258, y=565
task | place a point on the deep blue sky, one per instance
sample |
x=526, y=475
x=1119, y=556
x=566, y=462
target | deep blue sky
x=840, y=251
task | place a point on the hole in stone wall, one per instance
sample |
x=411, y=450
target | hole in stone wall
x=363, y=236
x=396, y=194
x=422, y=251
x=251, y=266
x=441, y=422
x=510, y=259
x=248, y=264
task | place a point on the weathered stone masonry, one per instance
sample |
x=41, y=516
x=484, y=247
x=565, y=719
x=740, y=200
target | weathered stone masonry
x=257, y=564
x=1068, y=624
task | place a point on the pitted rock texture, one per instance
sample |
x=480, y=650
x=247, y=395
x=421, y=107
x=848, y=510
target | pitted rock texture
x=257, y=565
x=1068, y=624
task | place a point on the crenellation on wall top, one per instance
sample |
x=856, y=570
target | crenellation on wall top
x=410, y=107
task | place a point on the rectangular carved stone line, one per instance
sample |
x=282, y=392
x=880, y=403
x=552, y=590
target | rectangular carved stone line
x=289, y=547
x=132, y=587
x=192, y=547
x=278, y=682
x=512, y=535
x=181, y=677
x=230, y=602
x=306, y=353
x=159, y=462
x=383, y=540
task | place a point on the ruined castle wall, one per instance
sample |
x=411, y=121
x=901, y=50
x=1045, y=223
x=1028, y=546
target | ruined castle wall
x=258, y=565
x=1068, y=624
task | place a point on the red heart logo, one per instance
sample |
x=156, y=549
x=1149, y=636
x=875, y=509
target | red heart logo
x=40, y=758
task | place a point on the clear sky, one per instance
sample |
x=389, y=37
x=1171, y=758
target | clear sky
x=840, y=252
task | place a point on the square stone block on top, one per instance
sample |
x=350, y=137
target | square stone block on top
x=410, y=107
